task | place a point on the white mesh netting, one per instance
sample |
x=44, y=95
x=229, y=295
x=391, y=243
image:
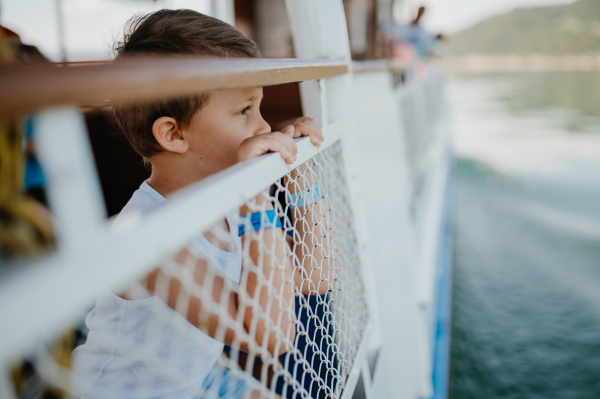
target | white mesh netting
x=293, y=324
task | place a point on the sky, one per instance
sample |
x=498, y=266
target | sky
x=451, y=16
x=92, y=25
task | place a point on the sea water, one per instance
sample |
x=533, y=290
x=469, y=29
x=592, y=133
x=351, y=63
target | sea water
x=526, y=223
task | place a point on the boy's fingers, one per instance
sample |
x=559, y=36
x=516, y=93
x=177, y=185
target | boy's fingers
x=286, y=141
x=293, y=149
x=289, y=130
x=307, y=127
x=315, y=134
x=274, y=142
x=287, y=156
x=286, y=147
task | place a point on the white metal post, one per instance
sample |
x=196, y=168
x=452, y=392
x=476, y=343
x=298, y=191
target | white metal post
x=319, y=31
x=73, y=187
x=75, y=200
x=223, y=10
x=358, y=26
x=60, y=26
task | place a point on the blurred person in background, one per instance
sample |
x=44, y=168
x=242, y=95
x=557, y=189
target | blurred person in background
x=411, y=42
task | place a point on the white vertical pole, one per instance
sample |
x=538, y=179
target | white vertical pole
x=73, y=188
x=319, y=31
x=223, y=10
x=60, y=26
x=324, y=115
x=384, y=12
x=358, y=26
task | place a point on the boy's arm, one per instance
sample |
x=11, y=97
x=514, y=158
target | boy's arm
x=267, y=277
x=312, y=240
x=269, y=261
x=313, y=247
x=180, y=284
x=171, y=283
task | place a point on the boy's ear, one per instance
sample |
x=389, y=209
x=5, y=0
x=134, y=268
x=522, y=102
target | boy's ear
x=166, y=131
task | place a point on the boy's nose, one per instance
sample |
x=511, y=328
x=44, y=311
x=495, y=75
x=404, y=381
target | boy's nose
x=263, y=127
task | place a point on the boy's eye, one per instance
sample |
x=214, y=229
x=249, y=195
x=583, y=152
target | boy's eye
x=245, y=110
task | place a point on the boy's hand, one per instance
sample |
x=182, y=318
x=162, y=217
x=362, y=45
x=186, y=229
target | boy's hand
x=305, y=126
x=269, y=142
x=281, y=142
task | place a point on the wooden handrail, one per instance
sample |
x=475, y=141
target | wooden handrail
x=25, y=87
x=378, y=65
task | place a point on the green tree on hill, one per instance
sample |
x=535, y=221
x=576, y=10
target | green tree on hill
x=557, y=30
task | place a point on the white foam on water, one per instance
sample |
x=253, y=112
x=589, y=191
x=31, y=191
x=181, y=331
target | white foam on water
x=532, y=142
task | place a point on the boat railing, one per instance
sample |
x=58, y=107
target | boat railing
x=422, y=104
x=91, y=256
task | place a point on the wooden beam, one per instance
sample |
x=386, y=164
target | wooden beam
x=25, y=87
x=378, y=65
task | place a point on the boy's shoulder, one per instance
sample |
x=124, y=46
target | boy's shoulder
x=142, y=200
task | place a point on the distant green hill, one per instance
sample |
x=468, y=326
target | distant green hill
x=558, y=30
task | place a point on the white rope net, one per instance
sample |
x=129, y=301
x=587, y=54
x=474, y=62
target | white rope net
x=293, y=322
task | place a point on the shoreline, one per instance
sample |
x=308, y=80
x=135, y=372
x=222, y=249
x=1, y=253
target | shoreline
x=483, y=63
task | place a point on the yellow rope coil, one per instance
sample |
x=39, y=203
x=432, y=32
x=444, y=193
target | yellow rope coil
x=25, y=225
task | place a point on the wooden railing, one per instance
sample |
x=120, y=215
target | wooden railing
x=26, y=87
x=378, y=65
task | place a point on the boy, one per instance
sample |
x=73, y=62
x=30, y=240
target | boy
x=144, y=343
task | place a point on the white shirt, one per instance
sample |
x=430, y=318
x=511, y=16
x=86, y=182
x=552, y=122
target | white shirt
x=143, y=348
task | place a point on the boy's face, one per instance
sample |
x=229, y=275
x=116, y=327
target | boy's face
x=219, y=127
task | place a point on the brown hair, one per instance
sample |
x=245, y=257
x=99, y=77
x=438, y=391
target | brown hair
x=173, y=32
